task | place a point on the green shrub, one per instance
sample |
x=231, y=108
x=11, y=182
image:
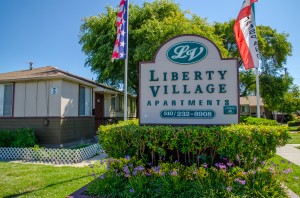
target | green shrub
x=20, y=138
x=257, y=121
x=5, y=138
x=241, y=144
x=294, y=123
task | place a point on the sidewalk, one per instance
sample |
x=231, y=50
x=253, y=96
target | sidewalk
x=290, y=153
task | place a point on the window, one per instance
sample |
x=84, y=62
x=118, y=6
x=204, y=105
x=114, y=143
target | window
x=6, y=99
x=117, y=103
x=245, y=109
x=85, y=101
x=132, y=105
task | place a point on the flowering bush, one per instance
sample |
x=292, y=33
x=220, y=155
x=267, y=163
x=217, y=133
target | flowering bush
x=127, y=177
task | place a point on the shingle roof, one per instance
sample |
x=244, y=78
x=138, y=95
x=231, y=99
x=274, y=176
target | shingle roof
x=37, y=73
x=48, y=72
x=250, y=100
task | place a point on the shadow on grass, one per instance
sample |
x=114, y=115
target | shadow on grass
x=50, y=185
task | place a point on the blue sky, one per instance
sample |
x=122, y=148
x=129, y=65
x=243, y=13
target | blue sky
x=46, y=32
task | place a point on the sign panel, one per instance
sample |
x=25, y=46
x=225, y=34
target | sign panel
x=189, y=83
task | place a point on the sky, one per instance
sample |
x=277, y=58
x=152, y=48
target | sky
x=46, y=32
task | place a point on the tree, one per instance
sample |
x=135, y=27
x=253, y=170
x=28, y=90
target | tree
x=291, y=101
x=150, y=26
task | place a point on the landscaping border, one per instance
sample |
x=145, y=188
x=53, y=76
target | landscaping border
x=50, y=155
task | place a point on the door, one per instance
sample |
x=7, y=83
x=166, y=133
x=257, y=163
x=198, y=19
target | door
x=99, y=110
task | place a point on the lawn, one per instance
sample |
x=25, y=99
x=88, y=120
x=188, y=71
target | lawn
x=295, y=138
x=34, y=180
x=292, y=179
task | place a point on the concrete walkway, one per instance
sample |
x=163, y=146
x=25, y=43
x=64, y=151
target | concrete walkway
x=290, y=152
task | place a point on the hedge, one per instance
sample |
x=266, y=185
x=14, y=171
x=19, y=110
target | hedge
x=244, y=145
x=257, y=121
x=20, y=138
x=294, y=123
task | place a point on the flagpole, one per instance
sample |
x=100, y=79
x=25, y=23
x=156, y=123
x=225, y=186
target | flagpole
x=257, y=93
x=126, y=66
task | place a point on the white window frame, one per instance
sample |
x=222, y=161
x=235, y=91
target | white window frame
x=86, y=109
x=2, y=100
x=245, y=109
x=117, y=103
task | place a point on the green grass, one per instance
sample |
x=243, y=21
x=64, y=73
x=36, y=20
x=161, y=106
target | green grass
x=290, y=180
x=293, y=128
x=295, y=138
x=32, y=180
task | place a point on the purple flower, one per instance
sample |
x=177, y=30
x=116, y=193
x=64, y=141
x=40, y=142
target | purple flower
x=162, y=174
x=149, y=164
x=127, y=157
x=205, y=165
x=243, y=182
x=134, y=173
x=222, y=166
x=139, y=168
x=195, y=172
x=287, y=171
x=255, y=159
x=126, y=171
x=253, y=172
x=282, y=161
x=244, y=173
x=156, y=169
x=271, y=170
x=101, y=176
x=173, y=173
x=229, y=188
x=229, y=164
x=131, y=190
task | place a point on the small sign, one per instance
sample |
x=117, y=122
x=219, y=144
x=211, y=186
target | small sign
x=230, y=110
x=198, y=114
x=54, y=90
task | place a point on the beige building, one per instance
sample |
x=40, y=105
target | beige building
x=62, y=108
x=248, y=106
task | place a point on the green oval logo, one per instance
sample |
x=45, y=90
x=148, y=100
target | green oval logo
x=187, y=52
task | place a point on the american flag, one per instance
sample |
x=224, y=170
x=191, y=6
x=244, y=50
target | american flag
x=120, y=44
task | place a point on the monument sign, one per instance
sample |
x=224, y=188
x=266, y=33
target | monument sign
x=189, y=83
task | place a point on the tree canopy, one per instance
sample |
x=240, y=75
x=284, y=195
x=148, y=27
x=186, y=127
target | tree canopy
x=149, y=26
x=152, y=24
